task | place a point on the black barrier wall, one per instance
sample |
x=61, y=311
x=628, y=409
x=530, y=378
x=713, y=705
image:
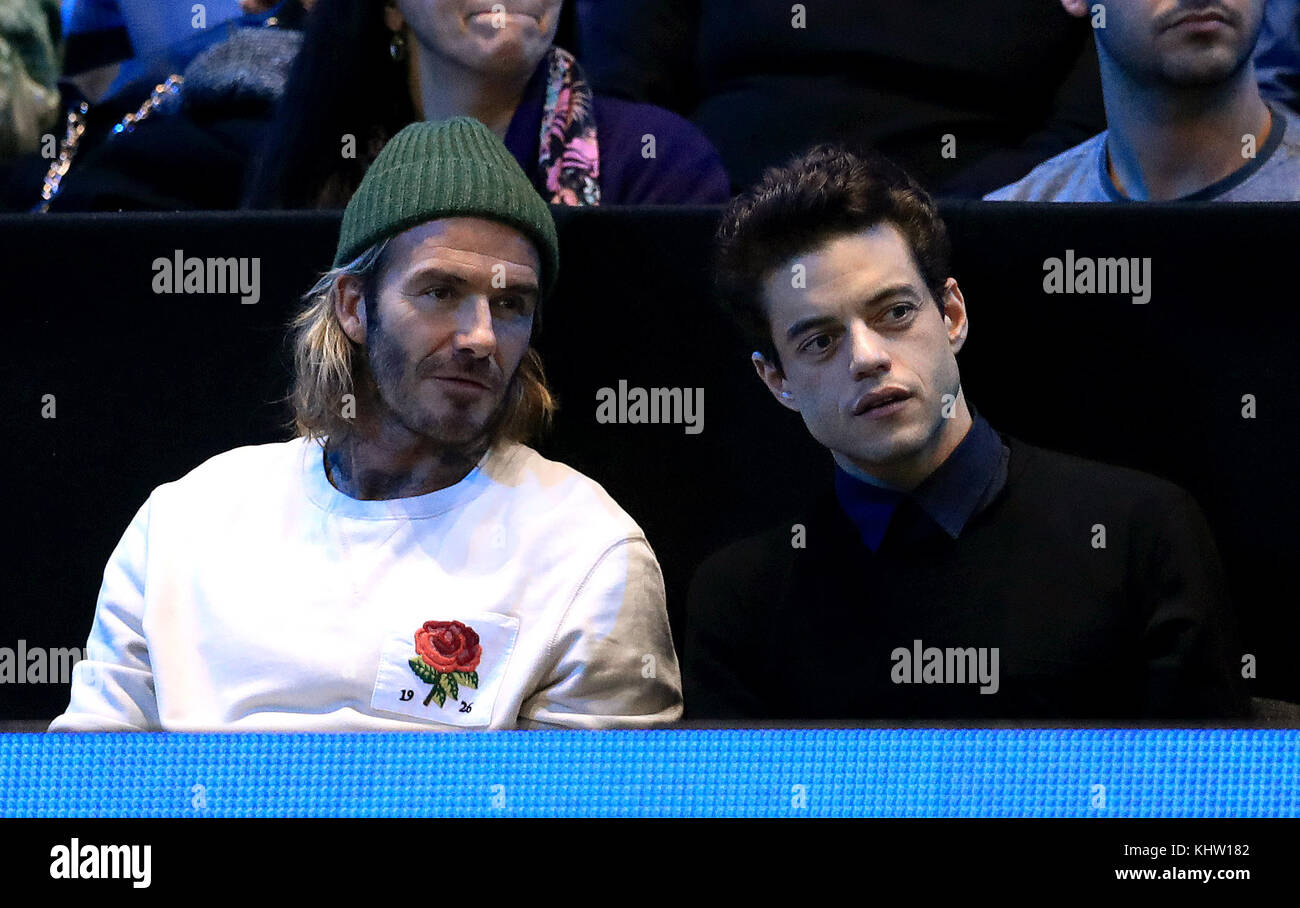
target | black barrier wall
x=1187, y=371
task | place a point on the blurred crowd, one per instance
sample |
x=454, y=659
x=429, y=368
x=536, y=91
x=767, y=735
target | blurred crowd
x=110, y=105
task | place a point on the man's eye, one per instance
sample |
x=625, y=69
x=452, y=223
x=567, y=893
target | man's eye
x=514, y=305
x=818, y=343
x=901, y=311
x=439, y=292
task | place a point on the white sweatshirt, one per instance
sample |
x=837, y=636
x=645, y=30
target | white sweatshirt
x=253, y=595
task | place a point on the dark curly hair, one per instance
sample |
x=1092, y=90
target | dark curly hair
x=793, y=209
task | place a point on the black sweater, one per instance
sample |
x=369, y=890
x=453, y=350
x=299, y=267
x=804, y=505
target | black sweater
x=1137, y=629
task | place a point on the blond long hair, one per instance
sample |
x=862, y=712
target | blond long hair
x=326, y=360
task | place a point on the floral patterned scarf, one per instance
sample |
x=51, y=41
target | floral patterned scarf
x=568, y=152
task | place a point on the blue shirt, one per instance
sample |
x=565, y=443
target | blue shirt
x=947, y=499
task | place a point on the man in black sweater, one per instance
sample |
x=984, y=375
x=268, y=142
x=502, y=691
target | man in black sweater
x=951, y=571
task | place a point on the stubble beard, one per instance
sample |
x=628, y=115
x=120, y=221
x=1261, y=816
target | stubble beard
x=392, y=391
x=1188, y=70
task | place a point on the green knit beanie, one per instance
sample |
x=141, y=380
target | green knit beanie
x=453, y=168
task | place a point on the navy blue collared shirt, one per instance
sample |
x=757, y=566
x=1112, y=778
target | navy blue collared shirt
x=949, y=497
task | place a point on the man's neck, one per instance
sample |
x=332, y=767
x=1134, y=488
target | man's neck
x=442, y=88
x=1164, y=145
x=904, y=476
x=374, y=466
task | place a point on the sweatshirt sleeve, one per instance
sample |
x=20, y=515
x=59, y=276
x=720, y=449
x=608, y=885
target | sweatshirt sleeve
x=112, y=688
x=612, y=661
x=1193, y=667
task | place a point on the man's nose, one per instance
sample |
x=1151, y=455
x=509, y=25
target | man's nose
x=474, y=326
x=867, y=350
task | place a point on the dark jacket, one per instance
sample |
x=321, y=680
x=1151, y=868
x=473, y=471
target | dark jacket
x=189, y=154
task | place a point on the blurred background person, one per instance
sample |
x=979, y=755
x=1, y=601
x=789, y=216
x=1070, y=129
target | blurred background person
x=29, y=71
x=968, y=95
x=1012, y=82
x=113, y=43
x=175, y=139
x=1185, y=116
x=1277, y=54
x=370, y=67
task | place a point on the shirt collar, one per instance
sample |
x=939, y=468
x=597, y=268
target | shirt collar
x=1216, y=189
x=949, y=496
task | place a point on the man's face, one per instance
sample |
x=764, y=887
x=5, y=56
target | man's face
x=455, y=313
x=497, y=38
x=865, y=325
x=1180, y=43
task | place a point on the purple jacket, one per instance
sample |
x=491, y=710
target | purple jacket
x=686, y=169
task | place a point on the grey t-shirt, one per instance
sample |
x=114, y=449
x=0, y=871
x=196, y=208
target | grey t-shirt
x=1080, y=174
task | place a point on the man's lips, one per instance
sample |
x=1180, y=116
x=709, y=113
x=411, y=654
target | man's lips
x=1201, y=17
x=464, y=381
x=879, y=397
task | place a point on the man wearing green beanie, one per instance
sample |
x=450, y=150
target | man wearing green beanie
x=407, y=561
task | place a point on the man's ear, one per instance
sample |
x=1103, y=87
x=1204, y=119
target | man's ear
x=350, y=307
x=1076, y=8
x=772, y=376
x=954, y=315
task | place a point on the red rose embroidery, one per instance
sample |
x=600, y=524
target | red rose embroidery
x=446, y=656
x=448, y=646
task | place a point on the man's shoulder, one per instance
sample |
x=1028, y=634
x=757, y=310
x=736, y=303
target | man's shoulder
x=248, y=464
x=1290, y=126
x=1060, y=477
x=1068, y=177
x=758, y=561
x=556, y=492
x=764, y=548
x=729, y=586
x=1278, y=178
